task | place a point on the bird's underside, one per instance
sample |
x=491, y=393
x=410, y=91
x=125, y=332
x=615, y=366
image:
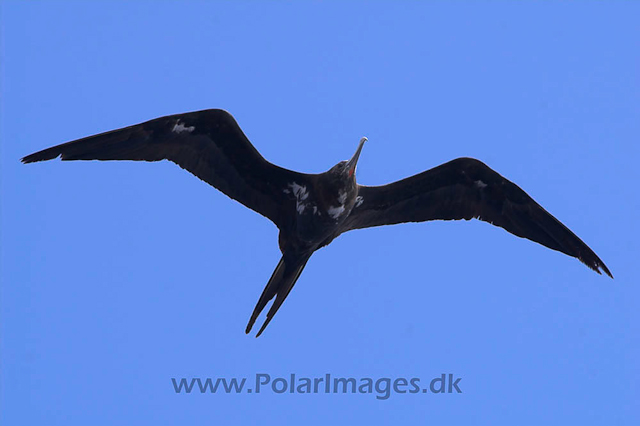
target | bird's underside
x=312, y=209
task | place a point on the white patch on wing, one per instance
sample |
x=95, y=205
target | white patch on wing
x=480, y=184
x=180, y=127
x=359, y=200
x=335, y=212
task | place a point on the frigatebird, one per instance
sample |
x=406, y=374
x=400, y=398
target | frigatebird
x=311, y=210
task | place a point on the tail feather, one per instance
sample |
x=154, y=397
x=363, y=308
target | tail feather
x=280, y=284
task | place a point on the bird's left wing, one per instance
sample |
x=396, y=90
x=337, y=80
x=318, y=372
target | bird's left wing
x=466, y=188
x=207, y=143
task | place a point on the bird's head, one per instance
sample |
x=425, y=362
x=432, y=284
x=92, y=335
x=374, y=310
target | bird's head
x=347, y=169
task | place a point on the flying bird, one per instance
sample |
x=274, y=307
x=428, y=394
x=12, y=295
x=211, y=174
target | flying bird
x=311, y=210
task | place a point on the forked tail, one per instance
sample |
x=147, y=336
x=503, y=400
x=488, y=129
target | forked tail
x=280, y=284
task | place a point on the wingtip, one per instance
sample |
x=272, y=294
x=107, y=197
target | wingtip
x=44, y=155
x=600, y=267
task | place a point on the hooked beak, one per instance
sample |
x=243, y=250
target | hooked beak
x=351, y=165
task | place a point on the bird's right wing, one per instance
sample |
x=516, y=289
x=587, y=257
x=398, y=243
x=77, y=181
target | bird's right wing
x=207, y=143
x=466, y=188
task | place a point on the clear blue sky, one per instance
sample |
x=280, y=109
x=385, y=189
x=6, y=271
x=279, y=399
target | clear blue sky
x=117, y=277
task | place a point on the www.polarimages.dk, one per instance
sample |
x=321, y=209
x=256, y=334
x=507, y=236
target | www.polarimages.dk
x=382, y=387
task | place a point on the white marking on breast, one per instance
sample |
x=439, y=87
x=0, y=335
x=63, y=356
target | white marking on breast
x=180, y=127
x=342, y=197
x=299, y=191
x=301, y=194
x=480, y=184
x=359, y=200
x=335, y=212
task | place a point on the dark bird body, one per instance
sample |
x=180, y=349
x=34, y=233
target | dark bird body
x=311, y=210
